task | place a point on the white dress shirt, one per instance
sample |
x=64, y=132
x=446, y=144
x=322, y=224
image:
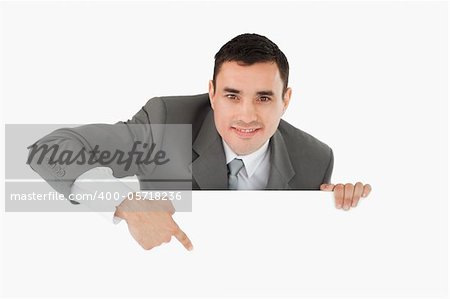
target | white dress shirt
x=254, y=175
x=123, y=186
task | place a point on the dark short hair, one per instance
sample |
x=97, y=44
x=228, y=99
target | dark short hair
x=250, y=48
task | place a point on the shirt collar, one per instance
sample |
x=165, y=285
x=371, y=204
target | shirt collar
x=251, y=161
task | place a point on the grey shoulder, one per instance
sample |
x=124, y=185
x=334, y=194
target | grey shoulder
x=176, y=109
x=300, y=142
x=182, y=100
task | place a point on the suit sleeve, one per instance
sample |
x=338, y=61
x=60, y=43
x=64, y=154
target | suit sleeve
x=58, y=166
x=329, y=171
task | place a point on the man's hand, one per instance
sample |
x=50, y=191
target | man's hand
x=347, y=195
x=150, y=222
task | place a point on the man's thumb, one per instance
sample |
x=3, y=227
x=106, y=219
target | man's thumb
x=327, y=187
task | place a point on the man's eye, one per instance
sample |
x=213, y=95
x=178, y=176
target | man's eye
x=231, y=96
x=264, y=99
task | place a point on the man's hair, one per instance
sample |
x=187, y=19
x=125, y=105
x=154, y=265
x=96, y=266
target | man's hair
x=250, y=48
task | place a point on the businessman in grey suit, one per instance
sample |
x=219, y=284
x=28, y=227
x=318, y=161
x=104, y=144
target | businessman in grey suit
x=297, y=160
x=239, y=140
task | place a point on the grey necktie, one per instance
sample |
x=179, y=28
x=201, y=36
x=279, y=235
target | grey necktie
x=233, y=169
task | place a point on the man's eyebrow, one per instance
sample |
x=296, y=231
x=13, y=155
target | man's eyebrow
x=232, y=90
x=258, y=93
x=265, y=93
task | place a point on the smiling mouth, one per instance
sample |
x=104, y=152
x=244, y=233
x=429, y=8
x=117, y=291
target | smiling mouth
x=245, y=132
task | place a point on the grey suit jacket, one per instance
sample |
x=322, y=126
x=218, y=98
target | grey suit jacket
x=297, y=161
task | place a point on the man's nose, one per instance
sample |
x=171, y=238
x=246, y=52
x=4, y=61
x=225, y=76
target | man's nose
x=248, y=112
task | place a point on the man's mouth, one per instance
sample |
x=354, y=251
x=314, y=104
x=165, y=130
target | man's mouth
x=245, y=132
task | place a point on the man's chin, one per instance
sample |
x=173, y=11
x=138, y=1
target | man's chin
x=247, y=149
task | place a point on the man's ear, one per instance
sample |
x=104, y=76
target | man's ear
x=287, y=98
x=211, y=93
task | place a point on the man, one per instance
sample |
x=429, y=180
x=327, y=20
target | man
x=238, y=139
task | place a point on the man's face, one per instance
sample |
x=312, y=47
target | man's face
x=248, y=104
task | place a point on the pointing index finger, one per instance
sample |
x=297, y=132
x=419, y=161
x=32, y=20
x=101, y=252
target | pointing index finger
x=183, y=238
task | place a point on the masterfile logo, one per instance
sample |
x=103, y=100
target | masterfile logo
x=43, y=162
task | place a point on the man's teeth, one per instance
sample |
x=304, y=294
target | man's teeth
x=246, y=130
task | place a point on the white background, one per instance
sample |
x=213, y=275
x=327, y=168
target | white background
x=368, y=78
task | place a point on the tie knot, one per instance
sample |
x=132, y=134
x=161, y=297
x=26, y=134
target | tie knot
x=235, y=166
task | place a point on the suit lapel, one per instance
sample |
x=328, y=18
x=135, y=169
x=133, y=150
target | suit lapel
x=208, y=157
x=281, y=170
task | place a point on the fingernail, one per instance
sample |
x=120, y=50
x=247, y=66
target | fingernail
x=191, y=248
x=338, y=206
